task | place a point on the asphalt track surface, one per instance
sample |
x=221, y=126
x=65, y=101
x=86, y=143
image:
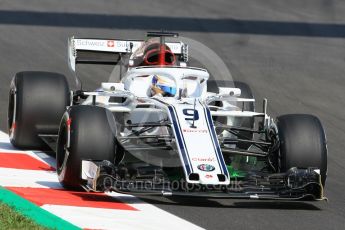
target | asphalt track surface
x=291, y=52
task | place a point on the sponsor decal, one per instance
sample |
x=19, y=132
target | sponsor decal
x=110, y=43
x=97, y=43
x=208, y=176
x=206, y=167
x=122, y=44
x=195, y=130
x=201, y=159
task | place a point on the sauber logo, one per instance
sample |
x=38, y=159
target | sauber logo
x=110, y=43
x=206, y=167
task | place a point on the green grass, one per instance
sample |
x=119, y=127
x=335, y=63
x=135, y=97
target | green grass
x=10, y=219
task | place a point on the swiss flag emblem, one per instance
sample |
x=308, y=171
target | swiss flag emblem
x=110, y=43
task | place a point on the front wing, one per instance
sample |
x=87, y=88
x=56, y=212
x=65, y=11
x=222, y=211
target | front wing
x=295, y=184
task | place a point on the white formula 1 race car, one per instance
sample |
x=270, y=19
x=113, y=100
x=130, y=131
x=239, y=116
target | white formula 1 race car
x=165, y=128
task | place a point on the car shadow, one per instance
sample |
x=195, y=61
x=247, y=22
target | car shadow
x=233, y=203
x=50, y=184
x=191, y=202
x=7, y=146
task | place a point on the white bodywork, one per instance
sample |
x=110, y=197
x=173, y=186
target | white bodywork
x=197, y=146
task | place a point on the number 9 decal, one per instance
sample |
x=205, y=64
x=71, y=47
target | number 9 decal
x=191, y=114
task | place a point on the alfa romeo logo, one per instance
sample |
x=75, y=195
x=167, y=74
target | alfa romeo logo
x=206, y=167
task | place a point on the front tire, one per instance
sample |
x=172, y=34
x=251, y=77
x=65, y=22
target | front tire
x=302, y=143
x=86, y=132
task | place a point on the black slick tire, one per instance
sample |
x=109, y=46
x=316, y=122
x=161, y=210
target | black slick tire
x=86, y=133
x=37, y=101
x=302, y=143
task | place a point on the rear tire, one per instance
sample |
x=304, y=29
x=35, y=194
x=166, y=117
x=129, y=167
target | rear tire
x=302, y=143
x=37, y=101
x=91, y=132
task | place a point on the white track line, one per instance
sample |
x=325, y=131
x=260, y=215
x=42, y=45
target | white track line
x=28, y=178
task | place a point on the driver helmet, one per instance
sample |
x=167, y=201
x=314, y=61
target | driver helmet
x=163, y=86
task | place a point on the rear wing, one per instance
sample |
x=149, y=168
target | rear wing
x=108, y=51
